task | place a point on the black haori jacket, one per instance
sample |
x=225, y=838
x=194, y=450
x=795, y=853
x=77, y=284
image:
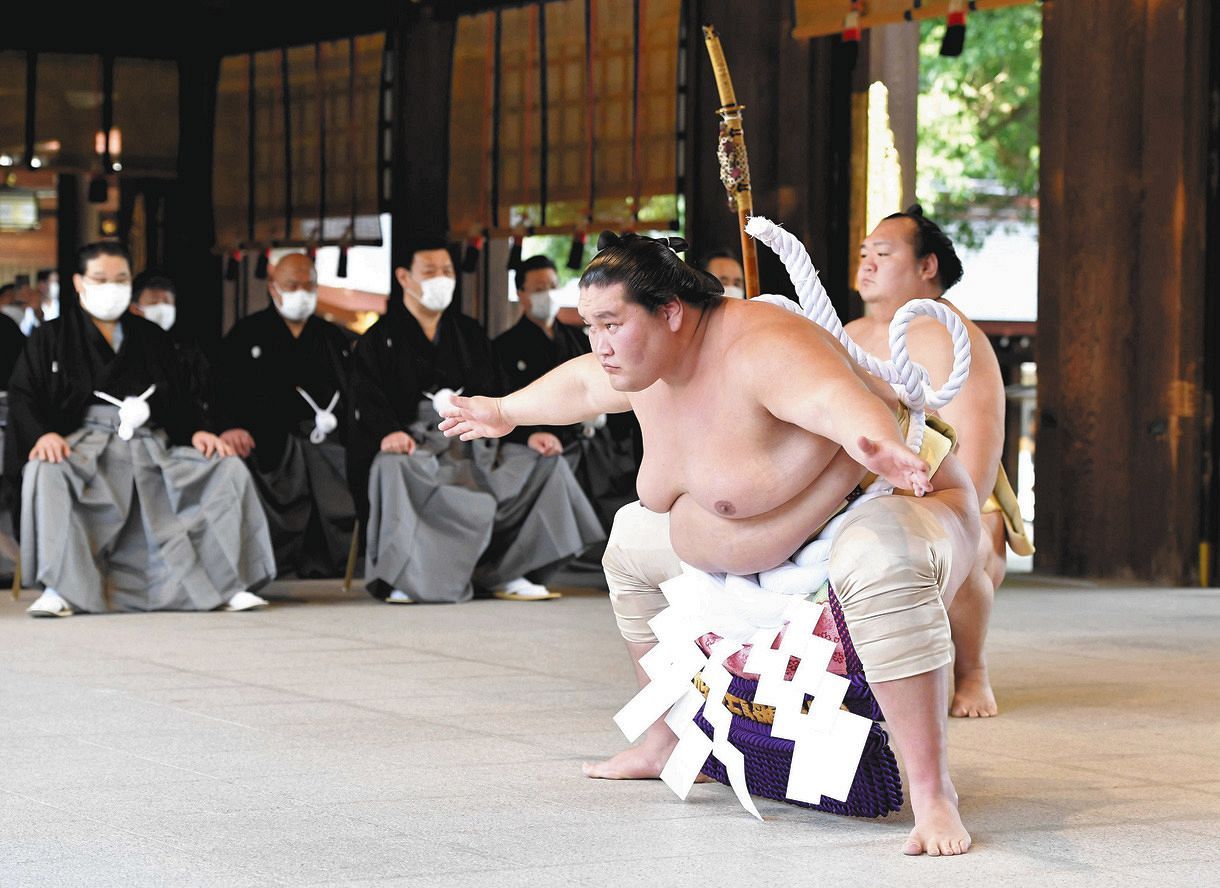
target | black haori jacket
x=526, y=354
x=260, y=367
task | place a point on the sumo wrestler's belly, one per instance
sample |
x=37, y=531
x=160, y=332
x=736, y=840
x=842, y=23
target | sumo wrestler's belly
x=714, y=542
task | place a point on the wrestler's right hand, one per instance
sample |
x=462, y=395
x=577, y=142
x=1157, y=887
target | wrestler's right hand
x=476, y=417
x=240, y=440
x=896, y=464
x=50, y=448
x=398, y=442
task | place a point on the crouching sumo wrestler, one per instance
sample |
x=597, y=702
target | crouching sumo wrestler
x=758, y=427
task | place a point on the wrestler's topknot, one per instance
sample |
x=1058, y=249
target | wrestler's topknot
x=650, y=270
x=930, y=239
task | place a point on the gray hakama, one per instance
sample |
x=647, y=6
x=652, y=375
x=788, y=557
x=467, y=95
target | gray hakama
x=484, y=511
x=309, y=508
x=140, y=526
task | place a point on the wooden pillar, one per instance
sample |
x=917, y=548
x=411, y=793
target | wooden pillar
x=1120, y=305
x=190, y=231
x=68, y=226
x=892, y=53
x=419, y=191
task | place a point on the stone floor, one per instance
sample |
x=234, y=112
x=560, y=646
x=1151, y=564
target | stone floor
x=333, y=740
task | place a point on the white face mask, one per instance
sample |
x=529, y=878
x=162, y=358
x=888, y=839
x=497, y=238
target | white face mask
x=542, y=306
x=297, y=305
x=50, y=306
x=437, y=292
x=163, y=314
x=106, y=302
x=53, y=292
x=15, y=312
x=735, y=292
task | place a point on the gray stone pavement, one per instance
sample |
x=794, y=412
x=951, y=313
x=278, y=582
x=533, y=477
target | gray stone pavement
x=333, y=740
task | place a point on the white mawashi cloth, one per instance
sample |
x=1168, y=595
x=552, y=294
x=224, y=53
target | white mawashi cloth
x=828, y=740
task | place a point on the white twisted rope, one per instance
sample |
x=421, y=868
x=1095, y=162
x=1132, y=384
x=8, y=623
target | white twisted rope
x=909, y=379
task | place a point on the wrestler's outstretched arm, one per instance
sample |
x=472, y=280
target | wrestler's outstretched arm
x=576, y=390
x=811, y=382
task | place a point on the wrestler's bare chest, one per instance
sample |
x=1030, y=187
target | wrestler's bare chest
x=720, y=447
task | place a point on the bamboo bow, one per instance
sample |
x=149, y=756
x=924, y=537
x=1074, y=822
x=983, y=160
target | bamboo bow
x=734, y=163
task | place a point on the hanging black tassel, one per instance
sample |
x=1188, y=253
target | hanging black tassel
x=514, y=253
x=955, y=32
x=576, y=255
x=260, y=269
x=233, y=266
x=99, y=190
x=849, y=41
x=341, y=271
x=470, y=256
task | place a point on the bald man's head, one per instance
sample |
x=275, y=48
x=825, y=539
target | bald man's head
x=294, y=272
x=294, y=288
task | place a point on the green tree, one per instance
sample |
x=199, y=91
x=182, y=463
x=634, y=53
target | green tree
x=978, y=123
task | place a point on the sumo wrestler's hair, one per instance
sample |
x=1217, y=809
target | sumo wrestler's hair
x=930, y=239
x=650, y=271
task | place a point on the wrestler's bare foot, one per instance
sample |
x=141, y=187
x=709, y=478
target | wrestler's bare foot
x=643, y=762
x=972, y=695
x=938, y=828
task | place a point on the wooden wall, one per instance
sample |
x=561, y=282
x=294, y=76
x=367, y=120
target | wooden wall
x=1121, y=289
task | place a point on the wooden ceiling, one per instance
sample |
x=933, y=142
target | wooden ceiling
x=192, y=28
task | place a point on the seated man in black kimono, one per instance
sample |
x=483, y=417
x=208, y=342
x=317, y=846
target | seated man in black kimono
x=537, y=344
x=127, y=500
x=155, y=298
x=601, y=452
x=282, y=400
x=444, y=516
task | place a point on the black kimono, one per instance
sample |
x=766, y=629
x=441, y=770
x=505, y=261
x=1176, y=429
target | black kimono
x=452, y=514
x=299, y=470
x=605, y=457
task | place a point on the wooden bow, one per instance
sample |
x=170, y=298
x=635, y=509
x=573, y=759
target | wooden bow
x=734, y=163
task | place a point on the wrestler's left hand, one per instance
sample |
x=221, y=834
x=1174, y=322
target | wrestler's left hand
x=210, y=445
x=477, y=417
x=896, y=464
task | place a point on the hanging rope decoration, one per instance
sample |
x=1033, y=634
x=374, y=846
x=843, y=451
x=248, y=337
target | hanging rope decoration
x=576, y=255
x=351, y=155
x=233, y=271
x=909, y=379
x=31, y=106
x=285, y=91
x=544, y=115
x=637, y=58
